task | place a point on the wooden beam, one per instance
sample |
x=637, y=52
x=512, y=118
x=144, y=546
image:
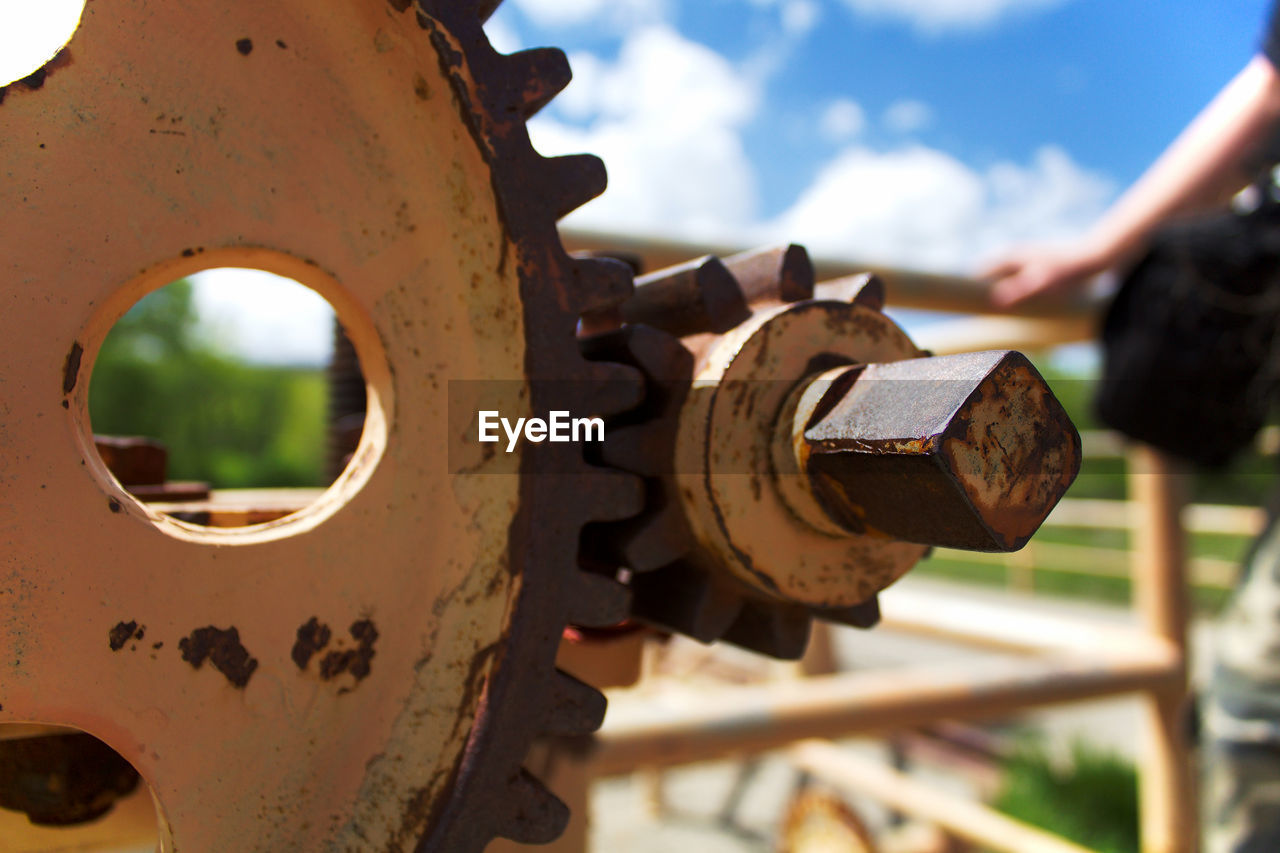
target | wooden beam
x=905, y=288
x=988, y=332
x=972, y=821
x=683, y=725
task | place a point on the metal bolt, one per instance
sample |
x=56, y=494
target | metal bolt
x=688, y=299
x=774, y=274
x=965, y=451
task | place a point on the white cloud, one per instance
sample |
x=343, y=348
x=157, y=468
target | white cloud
x=908, y=116
x=580, y=100
x=920, y=208
x=502, y=32
x=559, y=13
x=667, y=118
x=799, y=16
x=936, y=16
x=566, y=13
x=263, y=317
x=842, y=120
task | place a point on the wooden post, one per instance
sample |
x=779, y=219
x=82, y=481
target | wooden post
x=1161, y=593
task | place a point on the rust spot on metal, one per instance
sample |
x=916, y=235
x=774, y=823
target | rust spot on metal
x=71, y=368
x=222, y=648
x=122, y=633
x=280, y=44
x=420, y=87
x=477, y=678
x=245, y=46
x=114, y=505
x=450, y=61
x=354, y=661
x=312, y=637
x=36, y=79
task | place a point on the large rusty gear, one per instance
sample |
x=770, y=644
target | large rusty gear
x=377, y=152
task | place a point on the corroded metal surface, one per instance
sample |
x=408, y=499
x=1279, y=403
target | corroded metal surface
x=773, y=275
x=726, y=458
x=642, y=441
x=750, y=527
x=965, y=451
x=377, y=154
x=694, y=297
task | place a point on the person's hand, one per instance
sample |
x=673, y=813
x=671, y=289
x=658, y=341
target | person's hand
x=1030, y=271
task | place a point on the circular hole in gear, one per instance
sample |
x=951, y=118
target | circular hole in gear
x=63, y=789
x=31, y=34
x=230, y=397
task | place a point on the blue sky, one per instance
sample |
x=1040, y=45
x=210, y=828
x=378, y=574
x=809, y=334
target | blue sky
x=924, y=133
x=928, y=133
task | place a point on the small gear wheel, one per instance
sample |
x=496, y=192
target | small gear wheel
x=674, y=316
x=367, y=673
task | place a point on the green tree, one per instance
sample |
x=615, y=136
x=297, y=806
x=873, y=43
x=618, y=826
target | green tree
x=225, y=421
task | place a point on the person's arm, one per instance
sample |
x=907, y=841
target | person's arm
x=1202, y=167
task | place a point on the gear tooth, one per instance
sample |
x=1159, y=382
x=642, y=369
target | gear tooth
x=783, y=273
x=864, y=289
x=778, y=631
x=660, y=355
x=600, y=283
x=566, y=183
x=577, y=708
x=476, y=10
x=625, y=494
x=864, y=615
x=536, y=815
x=537, y=76
x=636, y=448
x=660, y=538
x=869, y=292
x=598, y=601
x=613, y=388
x=655, y=538
x=697, y=296
x=685, y=599
x=606, y=346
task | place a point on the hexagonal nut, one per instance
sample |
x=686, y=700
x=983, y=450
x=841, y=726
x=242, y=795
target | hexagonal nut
x=965, y=451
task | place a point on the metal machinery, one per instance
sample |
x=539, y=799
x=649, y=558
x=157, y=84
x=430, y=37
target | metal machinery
x=369, y=672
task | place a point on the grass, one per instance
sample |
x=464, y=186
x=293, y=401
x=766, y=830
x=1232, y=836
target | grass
x=1074, y=581
x=1093, y=800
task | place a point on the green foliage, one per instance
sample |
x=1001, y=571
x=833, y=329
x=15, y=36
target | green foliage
x=224, y=421
x=1093, y=802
